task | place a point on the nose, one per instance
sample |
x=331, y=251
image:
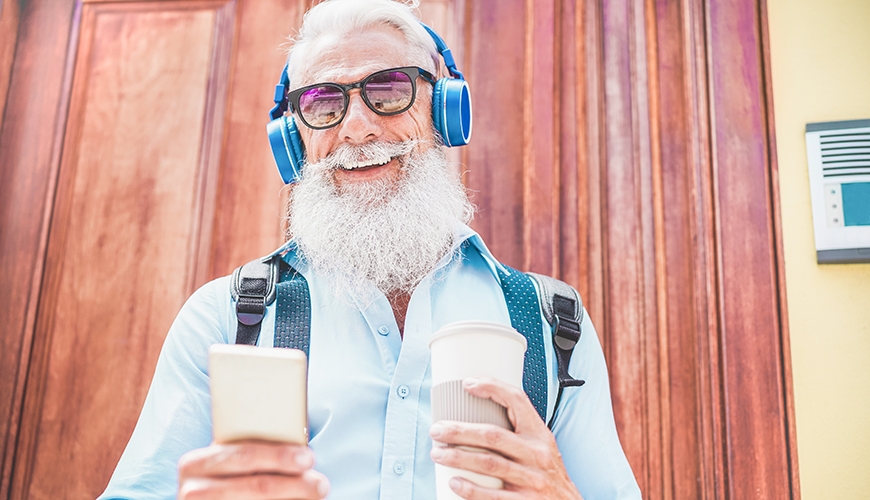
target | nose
x=360, y=124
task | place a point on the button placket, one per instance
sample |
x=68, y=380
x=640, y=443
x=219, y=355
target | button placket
x=403, y=406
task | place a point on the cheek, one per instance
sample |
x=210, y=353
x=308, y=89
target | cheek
x=318, y=143
x=420, y=118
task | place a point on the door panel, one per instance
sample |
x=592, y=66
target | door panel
x=123, y=221
x=30, y=140
x=143, y=164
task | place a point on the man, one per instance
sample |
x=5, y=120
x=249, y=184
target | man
x=378, y=229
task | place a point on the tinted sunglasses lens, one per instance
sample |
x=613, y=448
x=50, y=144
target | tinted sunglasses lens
x=390, y=92
x=322, y=106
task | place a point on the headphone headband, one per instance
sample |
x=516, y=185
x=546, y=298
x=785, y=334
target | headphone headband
x=280, y=97
x=445, y=52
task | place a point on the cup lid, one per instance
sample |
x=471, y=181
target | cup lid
x=488, y=327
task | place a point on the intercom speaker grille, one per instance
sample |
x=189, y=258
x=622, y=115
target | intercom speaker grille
x=845, y=153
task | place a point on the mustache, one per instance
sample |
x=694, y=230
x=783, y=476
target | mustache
x=347, y=154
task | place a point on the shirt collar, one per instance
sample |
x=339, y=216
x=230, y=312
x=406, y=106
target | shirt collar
x=467, y=236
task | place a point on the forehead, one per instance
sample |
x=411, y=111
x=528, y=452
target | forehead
x=352, y=56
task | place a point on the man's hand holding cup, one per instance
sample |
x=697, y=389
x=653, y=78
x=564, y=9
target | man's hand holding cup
x=489, y=441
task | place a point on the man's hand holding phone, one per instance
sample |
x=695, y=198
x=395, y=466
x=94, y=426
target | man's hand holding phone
x=259, y=419
x=250, y=470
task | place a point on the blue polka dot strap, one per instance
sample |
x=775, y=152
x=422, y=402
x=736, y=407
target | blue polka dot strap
x=525, y=312
x=293, y=310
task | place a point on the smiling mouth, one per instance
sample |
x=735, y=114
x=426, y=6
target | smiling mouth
x=367, y=164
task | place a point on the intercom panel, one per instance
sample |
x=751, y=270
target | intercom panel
x=838, y=155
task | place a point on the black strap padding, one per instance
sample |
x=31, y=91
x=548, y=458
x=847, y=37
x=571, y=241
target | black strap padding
x=253, y=288
x=563, y=309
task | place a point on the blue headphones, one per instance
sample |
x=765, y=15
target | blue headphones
x=451, y=115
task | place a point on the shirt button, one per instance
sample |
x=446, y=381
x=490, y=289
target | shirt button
x=403, y=391
x=399, y=467
x=384, y=331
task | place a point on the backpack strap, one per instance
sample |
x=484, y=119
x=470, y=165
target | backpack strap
x=563, y=309
x=253, y=288
x=293, y=311
x=525, y=312
x=256, y=284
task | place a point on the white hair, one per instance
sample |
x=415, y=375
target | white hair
x=337, y=17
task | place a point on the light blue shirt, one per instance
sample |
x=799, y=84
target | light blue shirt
x=368, y=388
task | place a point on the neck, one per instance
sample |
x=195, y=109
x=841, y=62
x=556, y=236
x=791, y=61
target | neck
x=399, y=302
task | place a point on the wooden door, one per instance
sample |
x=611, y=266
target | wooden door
x=624, y=146
x=140, y=129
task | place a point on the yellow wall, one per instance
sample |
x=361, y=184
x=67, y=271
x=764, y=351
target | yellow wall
x=820, y=54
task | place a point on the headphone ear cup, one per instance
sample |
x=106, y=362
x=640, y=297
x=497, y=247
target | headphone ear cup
x=287, y=148
x=438, y=109
x=451, y=111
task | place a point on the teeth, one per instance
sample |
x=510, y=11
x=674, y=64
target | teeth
x=372, y=162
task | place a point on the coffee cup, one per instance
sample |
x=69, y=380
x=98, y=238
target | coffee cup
x=472, y=349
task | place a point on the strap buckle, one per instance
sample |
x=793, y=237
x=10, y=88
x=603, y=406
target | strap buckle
x=566, y=332
x=250, y=309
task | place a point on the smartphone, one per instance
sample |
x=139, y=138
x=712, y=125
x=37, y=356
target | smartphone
x=258, y=393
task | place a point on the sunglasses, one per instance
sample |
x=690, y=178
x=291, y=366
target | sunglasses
x=387, y=92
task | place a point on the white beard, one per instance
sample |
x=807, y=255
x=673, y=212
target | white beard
x=387, y=233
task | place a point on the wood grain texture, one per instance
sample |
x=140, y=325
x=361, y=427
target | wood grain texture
x=30, y=143
x=250, y=193
x=752, y=354
x=211, y=146
x=779, y=256
x=541, y=105
x=569, y=110
x=689, y=278
x=10, y=14
x=122, y=218
x=495, y=158
x=675, y=163
x=630, y=321
x=591, y=161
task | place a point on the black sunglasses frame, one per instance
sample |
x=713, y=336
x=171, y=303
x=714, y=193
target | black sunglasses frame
x=412, y=72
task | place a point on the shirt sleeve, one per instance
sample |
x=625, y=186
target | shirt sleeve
x=585, y=429
x=176, y=417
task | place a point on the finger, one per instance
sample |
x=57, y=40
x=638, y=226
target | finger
x=486, y=463
x=470, y=491
x=309, y=485
x=487, y=436
x=245, y=458
x=521, y=412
